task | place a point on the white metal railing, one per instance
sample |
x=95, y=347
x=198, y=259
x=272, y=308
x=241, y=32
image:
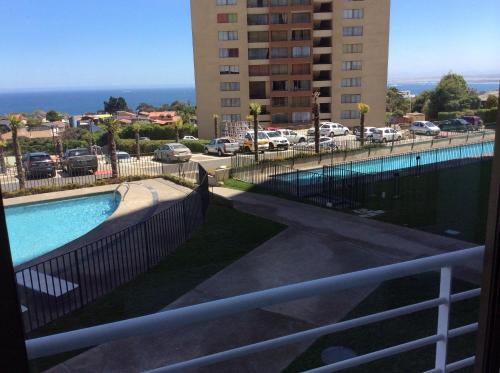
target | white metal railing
x=180, y=317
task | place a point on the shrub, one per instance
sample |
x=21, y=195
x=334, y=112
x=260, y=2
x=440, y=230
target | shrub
x=157, y=132
x=449, y=115
x=148, y=147
x=487, y=115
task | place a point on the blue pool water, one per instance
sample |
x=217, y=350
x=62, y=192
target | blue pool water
x=396, y=162
x=39, y=228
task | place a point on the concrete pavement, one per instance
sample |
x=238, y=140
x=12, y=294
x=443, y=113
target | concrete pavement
x=317, y=243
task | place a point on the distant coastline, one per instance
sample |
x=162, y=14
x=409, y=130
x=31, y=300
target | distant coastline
x=78, y=101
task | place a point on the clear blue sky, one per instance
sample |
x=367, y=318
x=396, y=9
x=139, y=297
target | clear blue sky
x=137, y=43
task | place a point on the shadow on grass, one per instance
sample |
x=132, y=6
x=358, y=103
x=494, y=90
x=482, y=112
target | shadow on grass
x=226, y=236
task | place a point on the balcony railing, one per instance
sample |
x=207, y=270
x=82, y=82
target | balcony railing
x=177, y=318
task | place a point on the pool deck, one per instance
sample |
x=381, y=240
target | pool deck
x=317, y=243
x=140, y=201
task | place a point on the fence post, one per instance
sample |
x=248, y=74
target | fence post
x=184, y=219
x=79, y=278
x=297, y=183
x=443, y=319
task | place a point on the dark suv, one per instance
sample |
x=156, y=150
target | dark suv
x=474, y=121
x=38, y=165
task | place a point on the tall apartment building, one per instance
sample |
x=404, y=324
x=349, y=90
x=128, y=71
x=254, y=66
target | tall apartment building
x=278, y=52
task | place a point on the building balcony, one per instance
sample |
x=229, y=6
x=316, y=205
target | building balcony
x=323, y=16
x=322, y=66
x=322, y=50
x=322, y=33
x=322, y=83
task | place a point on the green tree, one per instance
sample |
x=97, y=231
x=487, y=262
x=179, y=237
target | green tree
x=396, y=102
x=112, y=127
x=136, y=127
x=3, y=166
x=363, y=109
x=216, y=124
x=421, y=102
x=145, y=107
x=491, y=102
x=177, y=126
x=255, y=110
x=53, y=116
x=16, y=123
x=115, y=104
x=451, y=94
x=315, y=113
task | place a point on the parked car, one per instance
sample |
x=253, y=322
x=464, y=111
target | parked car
x=368, y=133
x=221, y=146
x=39, y=164
x=325, y=143
x=330, y=129
x=144, y=138
x=79, y=160
x=189, y=138
x=455, y=125
x=424, y=128
x=277, y=141
x=292, y=136
x=475, y=121
x=262, y=142
x=173, y=153
x=386, y=134
x=121, y=157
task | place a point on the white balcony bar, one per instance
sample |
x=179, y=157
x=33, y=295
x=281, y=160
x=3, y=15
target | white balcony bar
x=465, y=295
x=387, y=352
x=173, y=319
x=460, y=364
x=462, y=330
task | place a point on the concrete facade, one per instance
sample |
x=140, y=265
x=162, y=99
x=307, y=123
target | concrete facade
x=278, y=52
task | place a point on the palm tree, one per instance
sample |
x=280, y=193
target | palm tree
x=315, y=113
x=112, y=127
x=136, y=128
x=16, y=123
x=177, y=127
x=216, y=124
x=3, y=166
x=363, y=109
x=255, y=110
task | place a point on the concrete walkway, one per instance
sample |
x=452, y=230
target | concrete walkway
x=318, y=243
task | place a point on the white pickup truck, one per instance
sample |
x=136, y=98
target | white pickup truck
x=292, y=136
x=222, y=146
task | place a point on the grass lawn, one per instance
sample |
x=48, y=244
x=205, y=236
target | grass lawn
x=397, y=293
x=227, y=235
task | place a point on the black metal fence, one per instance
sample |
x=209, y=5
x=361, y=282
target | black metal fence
x=60, y=285
x=143, y=166
x=348, y=185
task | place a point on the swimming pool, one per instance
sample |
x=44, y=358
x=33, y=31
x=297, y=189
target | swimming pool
x=38, y=228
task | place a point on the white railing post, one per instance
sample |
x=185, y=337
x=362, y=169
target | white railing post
x=443, y=319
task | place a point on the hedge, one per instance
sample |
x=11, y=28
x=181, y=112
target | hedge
x=487, y=115
x=157, y=132
x=43, y=145
x=148, y=147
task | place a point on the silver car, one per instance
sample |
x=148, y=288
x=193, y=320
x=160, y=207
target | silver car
x=424, y=128
x=173, y=153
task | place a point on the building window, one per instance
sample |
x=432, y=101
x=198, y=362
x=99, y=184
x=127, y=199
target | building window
x=298, y=52
x=301, y=2
x=352, y=31
x=257, y=3
x=351, y=82
x=257, y=19
x=350, y=114
x=301, y=69
x=350, y=99
x=301, y=117
x=303, y=101
x=352, y=48
x=231, y=117
x=279, y=35
x=226, y=2
x=229, y=69
x=279, y=52
x=301, y=17
x=279, y=2
x=228, y=52
x=258, y=70
x=351, y=65
x=279, y=118
x=227, y=18
x=279, y=18
x=279, y=69
x=228, y=35
x=354, y=13
x=230, y=86
x=279, y=101
x=230, y=102
x=301, y=85
x=301, y=35
x=258, y=37
x=258, y=53
x=279, y=85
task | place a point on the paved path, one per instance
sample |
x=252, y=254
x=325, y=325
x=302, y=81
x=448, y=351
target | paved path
x=318, y=243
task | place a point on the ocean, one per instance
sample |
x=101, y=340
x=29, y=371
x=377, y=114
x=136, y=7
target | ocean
x=82, y=101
